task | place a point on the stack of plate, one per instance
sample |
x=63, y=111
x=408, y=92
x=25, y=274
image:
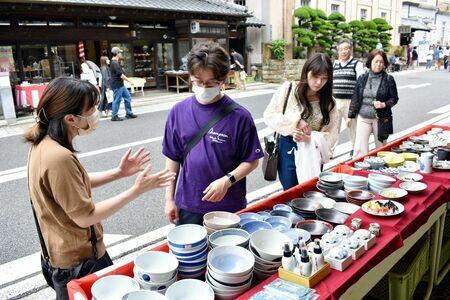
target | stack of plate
x=338, y=195
x=329, y=181
x=230, y=271
x=189, y=245
x=331, y=216
x=306, y=207
x=355, y=182
x=395, y=161
x=375, y=162
x=217, y=220
x=358, y=197
x=378, y=182
x=267, y=248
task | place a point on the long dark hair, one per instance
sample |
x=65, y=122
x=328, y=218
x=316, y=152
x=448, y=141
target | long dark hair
x=318, y=64
x=62, y=96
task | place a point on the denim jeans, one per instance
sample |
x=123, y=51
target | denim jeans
x=187, y=217
x=120, y=93
x=429, y=63
x=286, y=162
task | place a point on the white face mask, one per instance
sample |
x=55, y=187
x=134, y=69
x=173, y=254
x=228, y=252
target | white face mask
x=92, y=121
x=205, y=95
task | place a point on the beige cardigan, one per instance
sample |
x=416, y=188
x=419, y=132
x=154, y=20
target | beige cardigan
x=285, y=124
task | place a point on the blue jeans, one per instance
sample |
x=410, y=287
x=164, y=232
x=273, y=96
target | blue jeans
x=120, y=93
x=429, y=64
x=286, y=162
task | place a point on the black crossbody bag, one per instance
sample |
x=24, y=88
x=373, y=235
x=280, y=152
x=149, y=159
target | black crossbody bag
x=217, y=117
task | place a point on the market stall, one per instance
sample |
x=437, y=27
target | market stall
x=399, y=233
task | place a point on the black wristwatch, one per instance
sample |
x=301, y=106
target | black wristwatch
x=231, y=178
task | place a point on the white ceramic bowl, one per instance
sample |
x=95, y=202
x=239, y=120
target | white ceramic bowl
x=113, y=287
x=144, y=295
x=155, y=266
x=228, y=286
x=381, y=179
x=190, y=289
x=221, y=219
x=230, y=260
x=229, y=279
x=229, y=237
x=157, y=287
x=186, y=236
x=355, y=180
x=413, y=187
x=269, y=243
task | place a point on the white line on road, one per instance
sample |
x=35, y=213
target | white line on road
x=414, y=86
x=440, y=110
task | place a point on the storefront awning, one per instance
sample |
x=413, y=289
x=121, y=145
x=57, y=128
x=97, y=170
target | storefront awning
x=215, y=7
x=415, y=25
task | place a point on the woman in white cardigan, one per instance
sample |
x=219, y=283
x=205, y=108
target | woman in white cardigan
x=310, y=107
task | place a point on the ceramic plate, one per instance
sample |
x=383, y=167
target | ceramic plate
x=366, y=207
x=346, y=208
x=410, y=177
x=413, y=187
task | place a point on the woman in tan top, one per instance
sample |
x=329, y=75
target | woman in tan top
x=60, y=188
x=310, y=107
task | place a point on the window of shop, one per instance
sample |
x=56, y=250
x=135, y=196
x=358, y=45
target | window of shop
x=165, y=58
x=334, y=7
x=143, y=53
x=363, y=14
x=8, y=63
x=36, y=63
x=305, y=3
x=63, y=59
x=383, y=15
x=183, y=50
x=127, y=62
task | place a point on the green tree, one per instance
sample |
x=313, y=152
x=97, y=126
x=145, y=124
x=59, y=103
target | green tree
x=384, y=36
x=311, y=30
x=277, y=49
x=338, y=30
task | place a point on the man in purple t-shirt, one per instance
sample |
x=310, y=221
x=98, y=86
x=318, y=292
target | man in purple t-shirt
x=213, y=173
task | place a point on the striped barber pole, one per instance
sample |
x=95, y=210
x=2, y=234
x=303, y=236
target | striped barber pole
x=80, y=49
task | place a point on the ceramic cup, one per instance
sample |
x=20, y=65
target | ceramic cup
x=356, y=223
x=426, y=162
x=375, y=229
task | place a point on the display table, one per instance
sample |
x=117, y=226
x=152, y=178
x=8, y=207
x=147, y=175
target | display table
x=423, y=212
x=29, y=95
x=182, y=80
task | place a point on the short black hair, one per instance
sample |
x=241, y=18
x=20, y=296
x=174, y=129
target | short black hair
x=374, y=53
x=209, y=55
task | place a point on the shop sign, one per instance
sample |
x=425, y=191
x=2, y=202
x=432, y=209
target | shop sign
x=404, y=29
x=195, y=27
x=6, y=59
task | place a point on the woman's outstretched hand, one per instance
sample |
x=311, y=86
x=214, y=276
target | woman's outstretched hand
x=131, y=164
x=146, y=182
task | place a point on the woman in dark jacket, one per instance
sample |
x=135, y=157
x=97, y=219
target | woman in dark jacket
x=375, y=94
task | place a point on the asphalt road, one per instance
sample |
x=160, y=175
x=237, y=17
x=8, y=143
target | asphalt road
x=419, y=93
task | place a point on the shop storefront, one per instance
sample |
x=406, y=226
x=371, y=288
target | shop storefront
x=40, y=40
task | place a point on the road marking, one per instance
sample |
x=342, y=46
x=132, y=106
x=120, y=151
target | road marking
x=440, y=110
x=414, y=86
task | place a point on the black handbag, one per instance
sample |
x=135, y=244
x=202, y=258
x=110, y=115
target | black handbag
x=270, y=160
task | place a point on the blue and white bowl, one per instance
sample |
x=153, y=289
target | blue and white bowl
x=159, y=287
x=155, y=266
x=255, y=226
x=193, y=256
x=279, y=223
x=297, y=234
x=250, y=215
x=283, y=207
x=229, y=237
x=186, y=237
x=190, y=289
x=264, y=214
x=231, y=260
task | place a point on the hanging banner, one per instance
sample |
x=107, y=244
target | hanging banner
x=6, y=59
x=80, y=49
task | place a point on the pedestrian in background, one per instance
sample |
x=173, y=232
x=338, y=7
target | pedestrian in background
x=375, y=95
x=237, y=61
x=438, y=58
x=310, y=107
x=119, y=89
x=104, y=106
x=67, y=218
x=414, y=58
x=87, y=73
x=408, y=56
x=445, y=54
x=429, y=59
x=346, y=71
x=216, y=157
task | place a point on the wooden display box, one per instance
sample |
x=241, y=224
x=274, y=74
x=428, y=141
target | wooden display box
x=302, y=280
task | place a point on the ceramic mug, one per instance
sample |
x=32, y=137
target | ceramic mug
x=426, y=162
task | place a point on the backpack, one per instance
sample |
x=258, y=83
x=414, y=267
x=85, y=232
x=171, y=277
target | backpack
x=95, y=69
x=414, y=55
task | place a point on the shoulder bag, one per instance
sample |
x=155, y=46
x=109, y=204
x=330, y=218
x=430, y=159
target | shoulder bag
x=270, y=160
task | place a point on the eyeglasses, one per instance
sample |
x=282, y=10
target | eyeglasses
x=207, y=84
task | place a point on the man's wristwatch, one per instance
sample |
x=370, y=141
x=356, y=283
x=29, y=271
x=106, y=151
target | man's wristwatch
x=231, y=178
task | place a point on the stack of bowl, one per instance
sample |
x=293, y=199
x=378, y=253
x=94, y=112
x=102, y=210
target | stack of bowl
x=229, y=237
x=355, y=182
x=190, y=289
x=329, y=181
x=359, y=197
x=189, y=245
x=113, y=287
x=216, y=220
x=306, y=207
x=267, y=248
x=375, y=162
x=155, y=270
x=230, y=271
x=378, y=182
